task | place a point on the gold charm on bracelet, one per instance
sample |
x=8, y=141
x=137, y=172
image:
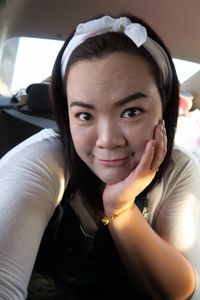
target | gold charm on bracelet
x=107, y=219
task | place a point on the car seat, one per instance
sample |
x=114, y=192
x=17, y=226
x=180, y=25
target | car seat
x=19, y=123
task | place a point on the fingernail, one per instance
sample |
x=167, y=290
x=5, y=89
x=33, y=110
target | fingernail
x=162, y=126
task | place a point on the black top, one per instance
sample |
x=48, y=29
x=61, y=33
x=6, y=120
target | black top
x=86, y=263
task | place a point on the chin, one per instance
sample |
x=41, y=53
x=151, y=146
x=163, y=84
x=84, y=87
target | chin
x=113, y=179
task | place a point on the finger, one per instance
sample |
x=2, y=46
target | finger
x=161, y=146
x=147, y=157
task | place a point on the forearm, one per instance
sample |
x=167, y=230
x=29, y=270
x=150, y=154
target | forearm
x=154, y=264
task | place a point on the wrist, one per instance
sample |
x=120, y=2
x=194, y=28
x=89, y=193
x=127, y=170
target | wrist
x=110, y=217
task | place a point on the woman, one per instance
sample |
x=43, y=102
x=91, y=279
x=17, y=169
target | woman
x=121, y=199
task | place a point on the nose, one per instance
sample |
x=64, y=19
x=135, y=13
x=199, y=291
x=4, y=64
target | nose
x=110, y=135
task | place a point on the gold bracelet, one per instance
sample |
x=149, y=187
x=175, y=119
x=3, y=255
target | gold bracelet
x=107, y=219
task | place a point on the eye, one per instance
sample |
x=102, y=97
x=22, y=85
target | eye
x=131, y=112
x=84, y=116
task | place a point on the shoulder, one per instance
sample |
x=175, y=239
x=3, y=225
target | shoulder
x=39, y=143
x=44, y=148
x=37, y=164
x=179, y=185
x=183, y=164
x=181, y=155
x=183, y=172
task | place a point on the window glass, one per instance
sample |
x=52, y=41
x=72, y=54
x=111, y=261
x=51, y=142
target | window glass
x=29, y=60
x=185, y=69
x=25, y=61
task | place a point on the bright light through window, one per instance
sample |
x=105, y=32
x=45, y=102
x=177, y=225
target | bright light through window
x=30, y=60
x=34, y=61
x=185, y=69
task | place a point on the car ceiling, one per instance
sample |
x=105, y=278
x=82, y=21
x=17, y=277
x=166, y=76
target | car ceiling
x=177, y=21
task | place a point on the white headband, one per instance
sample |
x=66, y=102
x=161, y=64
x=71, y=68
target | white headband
x=135, y=31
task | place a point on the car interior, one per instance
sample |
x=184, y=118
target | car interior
x=25, y=109
x=33, y=31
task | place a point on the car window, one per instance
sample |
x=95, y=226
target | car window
x=28, y=60
x=25, y=61
x=185, y=69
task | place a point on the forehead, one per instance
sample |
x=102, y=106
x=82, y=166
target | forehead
x=115, y=72
x=106, y=81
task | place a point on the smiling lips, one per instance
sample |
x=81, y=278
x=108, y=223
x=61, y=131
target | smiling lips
x=112, y=163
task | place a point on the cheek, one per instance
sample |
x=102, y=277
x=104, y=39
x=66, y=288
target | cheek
x=140, y=135
x=82, y=140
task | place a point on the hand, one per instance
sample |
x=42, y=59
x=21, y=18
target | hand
x=119, y=196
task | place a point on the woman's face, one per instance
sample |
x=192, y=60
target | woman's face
x=114, y=106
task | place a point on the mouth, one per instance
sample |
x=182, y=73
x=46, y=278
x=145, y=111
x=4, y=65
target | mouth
x=112, y=162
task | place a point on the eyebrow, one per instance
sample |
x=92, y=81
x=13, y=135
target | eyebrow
x=82, y=104
x=130, y=98
x=117, y=104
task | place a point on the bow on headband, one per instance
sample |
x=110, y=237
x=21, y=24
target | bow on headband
x=135, y=31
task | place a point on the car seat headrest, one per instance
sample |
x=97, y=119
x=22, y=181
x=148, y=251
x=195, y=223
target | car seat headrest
x=38, y=97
